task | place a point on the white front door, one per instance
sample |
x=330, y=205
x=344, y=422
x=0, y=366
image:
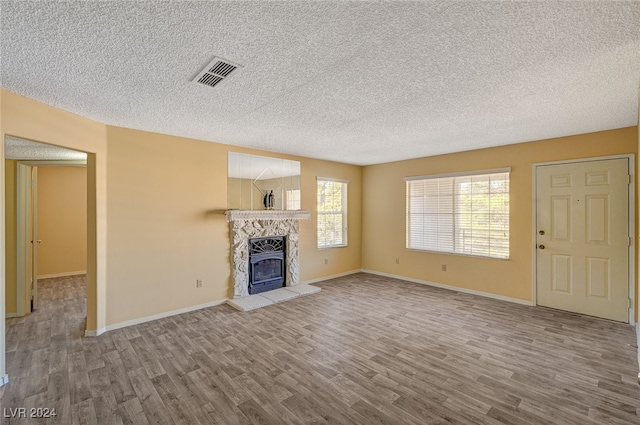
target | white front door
x=582, y=238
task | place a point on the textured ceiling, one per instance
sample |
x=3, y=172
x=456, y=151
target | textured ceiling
x=356, y=82
x=15, y=148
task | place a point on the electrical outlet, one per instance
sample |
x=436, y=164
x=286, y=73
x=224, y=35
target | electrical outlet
x=326, y=261
x=444, y=268
x=199, y=283
x=397, y=260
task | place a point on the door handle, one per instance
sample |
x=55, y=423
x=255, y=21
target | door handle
x=541, y=232
x=540, y=246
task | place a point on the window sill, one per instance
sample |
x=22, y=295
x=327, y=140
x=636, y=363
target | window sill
x=457, y=254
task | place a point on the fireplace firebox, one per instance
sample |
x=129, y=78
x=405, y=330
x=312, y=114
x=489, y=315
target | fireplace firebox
x=266, y=264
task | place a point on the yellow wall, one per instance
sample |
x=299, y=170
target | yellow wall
x=62, y=220
x=384, y=211
x=28, y=119
x=10, y=199
x=167, y=229
x=241, y=195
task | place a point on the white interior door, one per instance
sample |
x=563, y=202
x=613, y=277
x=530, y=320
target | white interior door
x=24, y=228
x=582, y=240
x=34, y=238
x=27, y=246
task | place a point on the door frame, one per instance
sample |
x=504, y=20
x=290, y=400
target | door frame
x=23, y=204
x=631, y=225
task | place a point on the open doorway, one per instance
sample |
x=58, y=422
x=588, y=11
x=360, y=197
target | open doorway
x=46, y=226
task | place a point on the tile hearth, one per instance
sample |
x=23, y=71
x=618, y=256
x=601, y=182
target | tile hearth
x=264, y=299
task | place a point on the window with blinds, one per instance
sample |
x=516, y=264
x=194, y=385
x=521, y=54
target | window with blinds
x=459, y=213
x=332, y=212
x=293, y=199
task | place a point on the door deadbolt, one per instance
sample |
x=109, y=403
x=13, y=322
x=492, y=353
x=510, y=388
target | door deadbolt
x=541, y=232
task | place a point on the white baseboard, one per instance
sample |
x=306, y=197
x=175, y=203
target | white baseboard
x=132, y=322
x=89, y=334
x=333, y=276
x=452, y=288
x=4, y=380
x=65, y=274
x=10, y=315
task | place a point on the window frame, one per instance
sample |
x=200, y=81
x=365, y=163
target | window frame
x=455, y=226
x=292, y=196
x=343, y=212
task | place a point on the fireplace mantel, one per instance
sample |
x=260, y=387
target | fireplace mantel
x=248, y=215
x=249, y=224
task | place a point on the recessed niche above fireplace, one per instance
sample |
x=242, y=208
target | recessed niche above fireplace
x=262, y=183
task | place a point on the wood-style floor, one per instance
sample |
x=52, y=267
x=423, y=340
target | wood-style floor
x=365, y=350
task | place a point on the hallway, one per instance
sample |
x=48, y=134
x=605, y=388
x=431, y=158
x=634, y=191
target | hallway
x=46, y=350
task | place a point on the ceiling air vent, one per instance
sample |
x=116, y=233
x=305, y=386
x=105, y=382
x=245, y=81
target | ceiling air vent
x=217, y=71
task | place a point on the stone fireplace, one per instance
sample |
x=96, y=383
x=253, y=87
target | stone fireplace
x=250, y=225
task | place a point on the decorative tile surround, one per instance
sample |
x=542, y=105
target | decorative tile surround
x=249, y=224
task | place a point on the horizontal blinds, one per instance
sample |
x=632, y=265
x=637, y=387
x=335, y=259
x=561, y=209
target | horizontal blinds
x=465, y=214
